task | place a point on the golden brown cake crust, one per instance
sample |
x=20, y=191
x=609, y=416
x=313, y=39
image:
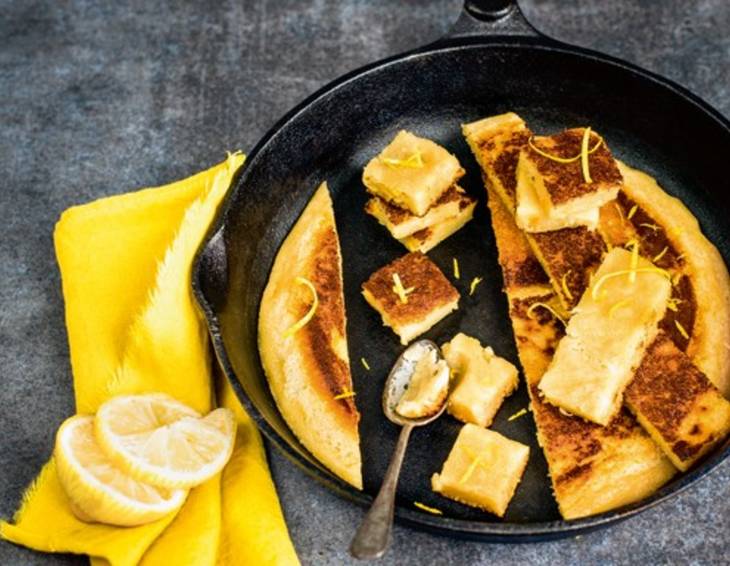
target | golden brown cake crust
x=681, y=406
x=309, y=371
x=565, y=181
x=431, y=289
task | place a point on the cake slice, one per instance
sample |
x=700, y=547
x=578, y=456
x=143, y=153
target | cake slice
x=402, y=223
x=412, y=173
x=569, y=255
x=482, y=380
x=614, y=322
x=562, y=182
x=592, y=468
x=428, y=238
x=683, y=411
x=303, y=341
x=411, y=294
x=483, y=469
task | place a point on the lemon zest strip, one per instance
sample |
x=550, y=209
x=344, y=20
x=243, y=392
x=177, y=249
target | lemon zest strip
x=413, y=161
x=533, y=306
x=457, y=274
x=399, y=290
x=681, y=329
x=584, y=155
x=673, y=304
x=557, y=159
x=620, y=211
x=632, y=211
x=564, y=284
x=428, y=509
x=634, y=260
x=652, y=227
x=661, y=254
x=365, y=364
x=612, y=311
x=345, y=394
x=470, y=470
x=474, y=284
x=518, y=414
x=297, y=326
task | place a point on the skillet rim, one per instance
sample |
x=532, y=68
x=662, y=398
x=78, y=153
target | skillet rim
x=485, y=531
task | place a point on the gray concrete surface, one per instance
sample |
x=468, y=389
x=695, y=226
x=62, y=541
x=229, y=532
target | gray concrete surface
x=97, y=98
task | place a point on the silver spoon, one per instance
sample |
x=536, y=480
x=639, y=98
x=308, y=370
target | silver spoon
x=373, y=536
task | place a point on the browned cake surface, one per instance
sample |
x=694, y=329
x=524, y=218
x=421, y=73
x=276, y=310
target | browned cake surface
x=328, y=324
x=565, y=181
x=431, y=289
x=583, y=458
x=686, y=412
x=569, y=263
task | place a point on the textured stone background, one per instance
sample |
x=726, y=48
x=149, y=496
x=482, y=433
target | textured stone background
x=97, y=98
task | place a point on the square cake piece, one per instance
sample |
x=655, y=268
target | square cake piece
x=428, y=238
x=614, y=322
x=555, y=190
x=411, y=294
x=412, y=173
x=482, y=380
x=402, y=223
x=677, y=405
x=482, y=470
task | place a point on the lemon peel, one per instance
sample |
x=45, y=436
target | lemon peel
x=428, y=509
x=302, y=322
x=400, y=290
x=533, y=306
x=413, y=161
x=558, y=159
x=585, y=166
x=474, y=284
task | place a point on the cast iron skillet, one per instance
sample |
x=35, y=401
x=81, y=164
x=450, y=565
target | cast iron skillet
x=493, y=61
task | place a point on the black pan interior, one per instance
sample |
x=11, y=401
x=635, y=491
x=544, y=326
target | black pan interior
x=647, y=123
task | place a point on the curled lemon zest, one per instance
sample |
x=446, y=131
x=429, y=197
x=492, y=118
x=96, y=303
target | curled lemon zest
x=345, y=394
x=661, y=254
x=612, y=311
x=312, y=308
x=676, y=279
x=673, y=304
x=474, y=283
x=681, y=329
x=457, y=275
x=634, y=245
x=652, y=227
x=428, y=509
x=518, y=414
x=680, y=257
x=399, y=290
x=413, y=161
x=470, y=470
x=620, y=211
x=533, y=306
x=365, y=364
x=585, y=166
x=601, y=280
x=632, y=211
x=557, y=159
x=564, y=284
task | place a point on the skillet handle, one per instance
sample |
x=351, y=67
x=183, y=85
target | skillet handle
x=491, y=18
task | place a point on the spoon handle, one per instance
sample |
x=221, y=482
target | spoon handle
x=373, y=535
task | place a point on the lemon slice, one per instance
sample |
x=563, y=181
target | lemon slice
x=158, y=440
x=99, y=491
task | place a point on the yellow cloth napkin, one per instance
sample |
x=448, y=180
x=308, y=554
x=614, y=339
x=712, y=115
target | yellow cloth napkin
x=133, y=327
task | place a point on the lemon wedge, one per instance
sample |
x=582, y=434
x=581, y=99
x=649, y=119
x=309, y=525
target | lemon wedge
x=160, y=441
x=97, y=490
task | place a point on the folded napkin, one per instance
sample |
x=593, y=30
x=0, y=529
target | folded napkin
x=133, y=327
